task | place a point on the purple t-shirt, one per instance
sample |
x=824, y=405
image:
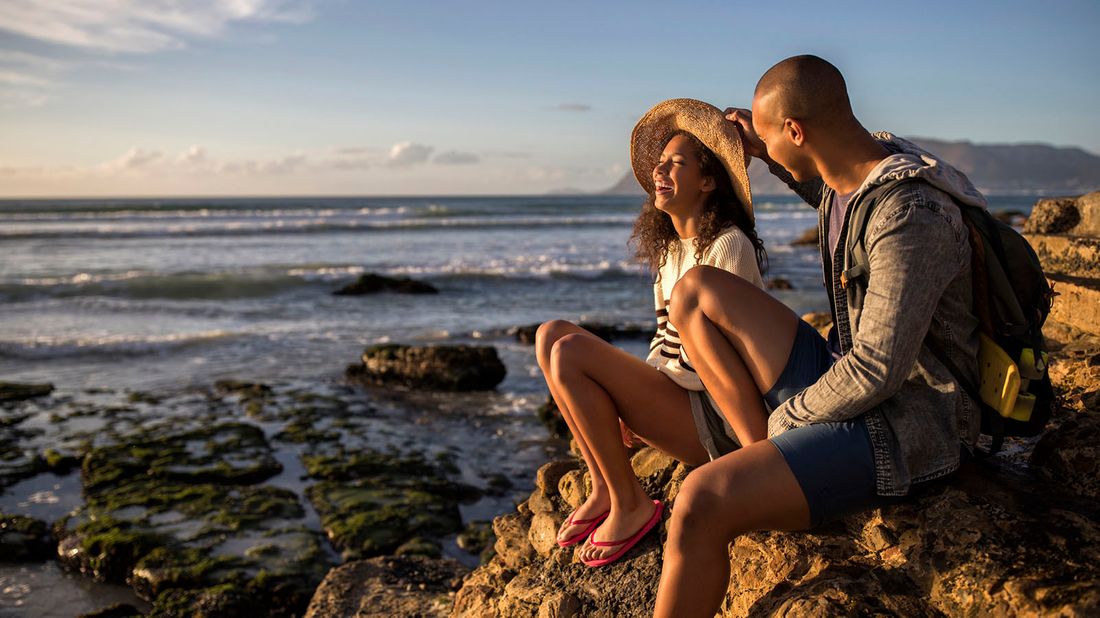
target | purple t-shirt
x=836, y=218
x=836, y=222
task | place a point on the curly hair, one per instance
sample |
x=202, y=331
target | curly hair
x=654, y=235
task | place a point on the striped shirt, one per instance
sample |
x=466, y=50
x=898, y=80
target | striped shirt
x=731, y=251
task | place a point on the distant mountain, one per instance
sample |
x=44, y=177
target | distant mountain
x=996, y=169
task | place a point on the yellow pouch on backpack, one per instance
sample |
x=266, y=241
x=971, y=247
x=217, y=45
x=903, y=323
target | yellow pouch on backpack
x=1000, y=377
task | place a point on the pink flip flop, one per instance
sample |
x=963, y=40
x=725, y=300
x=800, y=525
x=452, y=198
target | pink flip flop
x=592, y=525
x=626, y=544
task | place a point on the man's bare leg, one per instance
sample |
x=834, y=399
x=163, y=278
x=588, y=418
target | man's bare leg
x=749, y=489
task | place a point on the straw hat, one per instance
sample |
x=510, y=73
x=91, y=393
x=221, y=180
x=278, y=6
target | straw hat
x=702, y=120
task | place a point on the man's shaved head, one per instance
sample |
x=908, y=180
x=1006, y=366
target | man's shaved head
x=808, y=89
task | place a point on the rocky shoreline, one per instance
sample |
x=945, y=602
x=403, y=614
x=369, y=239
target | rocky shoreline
x=237, y=500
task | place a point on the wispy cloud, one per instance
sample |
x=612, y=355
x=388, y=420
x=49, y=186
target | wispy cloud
x=507, y=154
x=572, y=107
x=138, y=26
x=134, y=159
x=455, y=157
x=197, y=160
x=27, y=80
x=407, y=154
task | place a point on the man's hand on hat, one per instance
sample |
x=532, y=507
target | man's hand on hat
x=743, y=119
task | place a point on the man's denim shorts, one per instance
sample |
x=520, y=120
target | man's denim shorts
x=833, y=462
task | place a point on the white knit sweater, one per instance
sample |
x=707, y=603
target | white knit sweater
x=731, y=251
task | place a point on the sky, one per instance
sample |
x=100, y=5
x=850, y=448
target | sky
x=346, y=97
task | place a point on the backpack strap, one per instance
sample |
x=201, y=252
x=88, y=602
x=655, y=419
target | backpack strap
x=858, y=266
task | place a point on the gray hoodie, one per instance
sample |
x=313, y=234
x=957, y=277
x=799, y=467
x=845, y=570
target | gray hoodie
x=919, y=287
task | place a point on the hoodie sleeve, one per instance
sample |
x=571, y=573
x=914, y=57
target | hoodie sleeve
x=915, y=251
x=810, y=191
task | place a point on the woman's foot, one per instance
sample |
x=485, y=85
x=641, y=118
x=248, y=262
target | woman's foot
x=620, y=525
x=593, y=509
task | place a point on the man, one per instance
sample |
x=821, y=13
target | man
x=867, y=414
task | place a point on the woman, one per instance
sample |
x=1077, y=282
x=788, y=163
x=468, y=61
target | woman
x=699, y=212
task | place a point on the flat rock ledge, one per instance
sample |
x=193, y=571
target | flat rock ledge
x=388, y=586
x=443, y=367
x=990, y=541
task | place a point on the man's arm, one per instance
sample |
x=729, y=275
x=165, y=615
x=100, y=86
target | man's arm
x=810, y=191
x=913, y=255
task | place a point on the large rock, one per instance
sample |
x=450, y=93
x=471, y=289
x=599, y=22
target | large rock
x=1065, y=233
x=24, y=539
x=1073, y=216
x=387, y=586
x=607, y=332
x=1070, y=454
x=371, y=283
x=445, y=367
x=13, y=391
x=806, y=239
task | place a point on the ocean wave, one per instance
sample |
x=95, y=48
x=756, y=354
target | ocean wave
x=45, y=347
x=274, y=280
x=304, y=226
x=202, y=213
x=145, y=285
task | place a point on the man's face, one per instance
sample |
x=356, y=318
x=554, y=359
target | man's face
x=770, y=127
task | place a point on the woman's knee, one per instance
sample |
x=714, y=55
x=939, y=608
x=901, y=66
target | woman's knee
x=569, y=351
x=546, y=335
x=692, y=291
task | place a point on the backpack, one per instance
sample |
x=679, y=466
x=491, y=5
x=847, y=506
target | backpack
x=1012, y=298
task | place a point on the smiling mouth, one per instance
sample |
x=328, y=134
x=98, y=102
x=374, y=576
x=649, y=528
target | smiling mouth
x=662, y=188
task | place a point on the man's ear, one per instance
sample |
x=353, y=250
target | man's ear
x=794, y=131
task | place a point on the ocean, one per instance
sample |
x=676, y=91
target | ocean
x=152, y=294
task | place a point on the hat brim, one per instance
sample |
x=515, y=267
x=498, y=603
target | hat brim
x=703, y=120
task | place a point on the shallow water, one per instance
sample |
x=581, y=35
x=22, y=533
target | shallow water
x=45, y=591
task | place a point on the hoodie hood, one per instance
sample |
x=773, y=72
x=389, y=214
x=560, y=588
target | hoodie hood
x=910, y=161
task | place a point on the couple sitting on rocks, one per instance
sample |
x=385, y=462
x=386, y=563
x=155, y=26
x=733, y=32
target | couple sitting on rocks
x=788, y=429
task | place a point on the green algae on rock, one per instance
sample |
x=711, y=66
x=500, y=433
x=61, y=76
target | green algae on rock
x=374, y=503
x=226, y=453
x=24, y=539
x=169, y=514
x=364, y=518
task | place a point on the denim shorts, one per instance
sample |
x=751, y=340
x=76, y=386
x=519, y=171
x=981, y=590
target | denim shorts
x=834, y=465
x=809, y=360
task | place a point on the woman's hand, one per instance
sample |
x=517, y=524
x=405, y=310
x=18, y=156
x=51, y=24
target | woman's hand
x=743, y=119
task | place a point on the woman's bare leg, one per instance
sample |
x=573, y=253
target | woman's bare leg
x=599, y=500
x=738, y=339
x=749, y=489
x=600, y=383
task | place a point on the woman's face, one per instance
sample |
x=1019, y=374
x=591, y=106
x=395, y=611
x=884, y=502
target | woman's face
x=680, y=186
